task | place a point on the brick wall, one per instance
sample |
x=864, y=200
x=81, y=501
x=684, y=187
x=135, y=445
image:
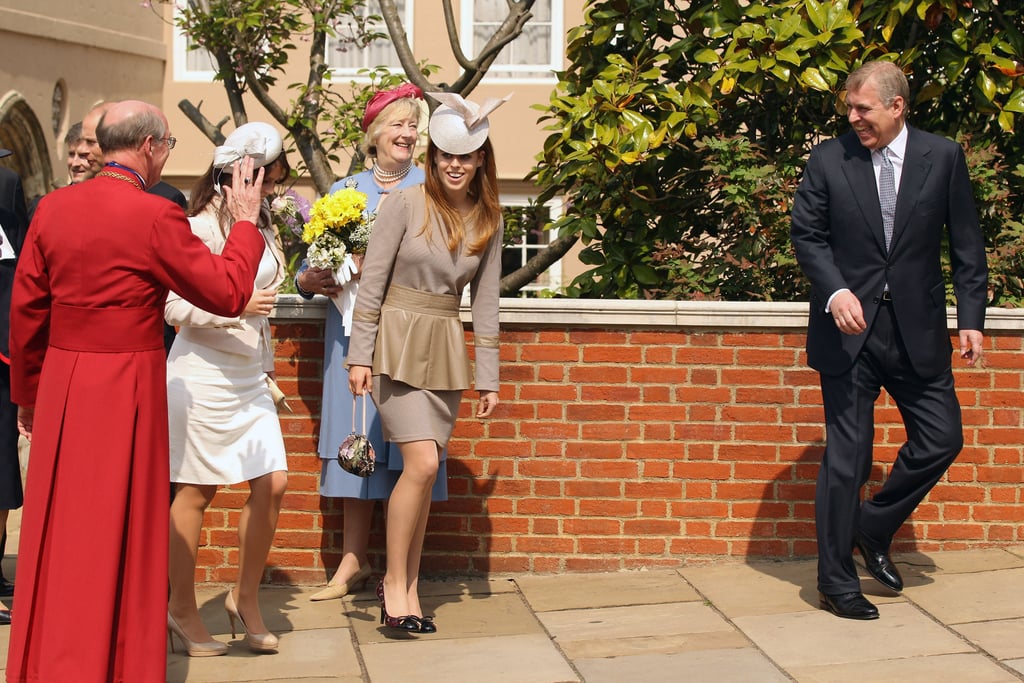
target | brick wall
x=641, y=434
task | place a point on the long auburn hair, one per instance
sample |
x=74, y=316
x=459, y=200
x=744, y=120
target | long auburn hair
x=486, y=215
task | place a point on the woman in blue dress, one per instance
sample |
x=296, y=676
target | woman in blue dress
x=391, y=123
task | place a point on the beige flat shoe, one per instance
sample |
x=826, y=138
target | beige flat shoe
x=334, y=591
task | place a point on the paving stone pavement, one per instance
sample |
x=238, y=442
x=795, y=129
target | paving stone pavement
x=960, y=618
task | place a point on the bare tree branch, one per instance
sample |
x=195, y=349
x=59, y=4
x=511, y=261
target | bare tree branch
x=210, y=130
x=510, y=29
x=400, y=40
x=473, y=69
x=453, y=36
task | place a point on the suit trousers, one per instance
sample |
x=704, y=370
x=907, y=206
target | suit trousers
x=11, y=496
x=931, y=416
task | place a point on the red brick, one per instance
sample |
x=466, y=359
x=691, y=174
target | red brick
x=611, y=354
x=593, y=526
x=704, y=356
x=704, y=376
x=619, y=470
x=595, y=412
x=598, y=374
x=774, y=358
x=593, y=337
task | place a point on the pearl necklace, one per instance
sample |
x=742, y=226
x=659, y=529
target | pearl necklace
x=382, y=176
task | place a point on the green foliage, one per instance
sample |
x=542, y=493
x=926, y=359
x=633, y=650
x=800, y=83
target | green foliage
x=648, y=119
x=999, y=213
x=268, y=27
x=744, y=253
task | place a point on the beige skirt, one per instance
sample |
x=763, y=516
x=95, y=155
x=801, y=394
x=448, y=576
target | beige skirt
x=411, y=414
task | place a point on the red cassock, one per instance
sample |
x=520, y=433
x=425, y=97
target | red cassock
x=87, y=351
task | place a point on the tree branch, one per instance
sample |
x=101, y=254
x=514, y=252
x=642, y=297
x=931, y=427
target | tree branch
x=510, y=29
x=400, y=41
x=537, y=264
x=210, y=130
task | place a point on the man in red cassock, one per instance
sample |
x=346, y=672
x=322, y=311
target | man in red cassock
x=88, y=375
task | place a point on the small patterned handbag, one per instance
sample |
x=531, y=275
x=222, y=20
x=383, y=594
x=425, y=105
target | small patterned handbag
x=356, y=454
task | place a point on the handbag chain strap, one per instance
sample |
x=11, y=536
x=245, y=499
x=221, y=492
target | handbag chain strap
x=355, y=399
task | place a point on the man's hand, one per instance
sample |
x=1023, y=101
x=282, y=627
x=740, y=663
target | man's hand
x=970, y=347
x=848, y=313
x=26, y=416
x=319, y=281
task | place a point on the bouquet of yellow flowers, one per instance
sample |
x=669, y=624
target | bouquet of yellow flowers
x=338, y=224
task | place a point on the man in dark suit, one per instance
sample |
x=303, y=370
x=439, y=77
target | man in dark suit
x=13, y=225
x=868, y=223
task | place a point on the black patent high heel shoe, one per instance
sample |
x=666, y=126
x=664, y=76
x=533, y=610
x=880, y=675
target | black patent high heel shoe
x=408, y=623
x=427, y=624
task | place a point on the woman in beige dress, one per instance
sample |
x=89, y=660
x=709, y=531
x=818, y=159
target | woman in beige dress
x=408, y=346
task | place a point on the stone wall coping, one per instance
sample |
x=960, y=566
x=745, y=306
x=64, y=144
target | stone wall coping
x=632, y=313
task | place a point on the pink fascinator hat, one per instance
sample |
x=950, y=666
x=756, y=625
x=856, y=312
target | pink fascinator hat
x=383, y=98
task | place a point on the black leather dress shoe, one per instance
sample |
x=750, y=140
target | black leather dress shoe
x=5, y=617
x=848, y=605
x=880, y=565
x=6, y=588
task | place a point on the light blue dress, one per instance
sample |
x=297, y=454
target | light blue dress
x=336, y=407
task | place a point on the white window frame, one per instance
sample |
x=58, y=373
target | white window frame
x=179, y=56
x=519, y=73
x=352, y=73
x=555, y=208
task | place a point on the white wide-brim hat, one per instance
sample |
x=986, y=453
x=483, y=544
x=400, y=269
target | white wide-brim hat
x=459, y=126
x=261, y=141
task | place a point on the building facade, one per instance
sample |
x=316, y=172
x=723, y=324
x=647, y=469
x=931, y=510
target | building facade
x=62, y=57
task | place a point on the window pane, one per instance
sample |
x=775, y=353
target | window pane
x=491, y=10
x=199, y=60
x=381, y=52
x=481, y=34
x=533, y=46
x=524, y=237
x=534, y=54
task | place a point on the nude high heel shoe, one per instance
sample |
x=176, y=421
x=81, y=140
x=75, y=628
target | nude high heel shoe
x=258, y=642
x=333, y=591
x=210, y=648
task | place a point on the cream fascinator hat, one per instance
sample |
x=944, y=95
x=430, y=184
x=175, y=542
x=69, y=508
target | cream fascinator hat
x=459, y=126
x=261, y=141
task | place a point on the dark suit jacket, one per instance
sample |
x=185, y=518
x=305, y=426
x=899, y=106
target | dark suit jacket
x=839, y=242
x=167, y=191
x=14, y=219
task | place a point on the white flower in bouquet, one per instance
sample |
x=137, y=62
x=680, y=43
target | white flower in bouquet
x=326, y=252
x=335, y=222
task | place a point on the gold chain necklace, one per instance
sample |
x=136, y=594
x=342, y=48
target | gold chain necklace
x=125, y=178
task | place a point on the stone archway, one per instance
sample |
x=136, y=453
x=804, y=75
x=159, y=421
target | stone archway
x=21, y=133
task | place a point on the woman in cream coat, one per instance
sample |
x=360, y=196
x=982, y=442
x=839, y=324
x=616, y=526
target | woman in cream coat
x=223, y=424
